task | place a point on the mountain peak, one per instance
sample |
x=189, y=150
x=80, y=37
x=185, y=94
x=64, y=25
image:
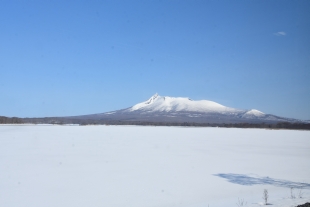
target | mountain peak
x=177, y=104
x=146, y=103
x=253, y=113
x=152, y=99
x=154, y=96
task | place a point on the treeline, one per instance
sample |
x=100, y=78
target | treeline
x=83, y=122
x=280, y=125
x=10, y=120
x=283, y=125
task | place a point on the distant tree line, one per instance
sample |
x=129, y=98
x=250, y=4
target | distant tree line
x=61, y=121
x=282, y=125
x=10, y=120
x=279, y=125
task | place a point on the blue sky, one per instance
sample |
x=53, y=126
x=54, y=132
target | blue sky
x=60, y=58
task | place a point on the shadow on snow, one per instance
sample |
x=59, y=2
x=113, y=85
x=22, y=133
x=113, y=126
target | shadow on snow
x=248, y=180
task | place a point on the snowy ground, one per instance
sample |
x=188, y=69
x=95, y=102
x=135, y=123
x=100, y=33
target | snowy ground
x=131, y=166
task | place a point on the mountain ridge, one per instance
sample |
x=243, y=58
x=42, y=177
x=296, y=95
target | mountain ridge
x=179, y=109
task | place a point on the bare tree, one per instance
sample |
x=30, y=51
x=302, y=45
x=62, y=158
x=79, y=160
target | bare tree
x=241, y=202
x=292, y=193
x=265, y=196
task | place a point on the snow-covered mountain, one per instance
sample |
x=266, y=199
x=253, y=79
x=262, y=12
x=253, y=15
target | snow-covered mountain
x=170, y=104
x=178, y=109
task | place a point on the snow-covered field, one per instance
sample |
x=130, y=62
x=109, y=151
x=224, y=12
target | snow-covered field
x=131, y=166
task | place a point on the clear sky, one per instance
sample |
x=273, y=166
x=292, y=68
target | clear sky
x=60, y=58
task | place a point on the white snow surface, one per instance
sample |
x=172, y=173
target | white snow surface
x=171, y=104
x=132, y=166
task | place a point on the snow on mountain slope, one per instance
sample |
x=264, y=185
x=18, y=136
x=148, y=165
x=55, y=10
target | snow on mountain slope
x=253, y=113
x=179, y=109
x=170, y=104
